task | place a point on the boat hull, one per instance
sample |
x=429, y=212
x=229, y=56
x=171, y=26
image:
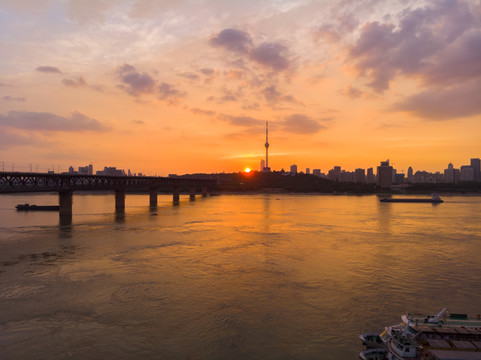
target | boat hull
x=27, y=207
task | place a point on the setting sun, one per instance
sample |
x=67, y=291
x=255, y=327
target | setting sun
x=247, y=170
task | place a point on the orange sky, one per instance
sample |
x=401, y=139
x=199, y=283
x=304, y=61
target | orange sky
x=165, y=87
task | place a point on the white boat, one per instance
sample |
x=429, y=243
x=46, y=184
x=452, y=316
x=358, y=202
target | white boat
x=440, y=337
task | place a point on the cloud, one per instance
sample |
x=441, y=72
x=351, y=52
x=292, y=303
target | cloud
x=168, y=92
x=301, y=124
x=78, y=82
x=88, y=11
x=273, y=96
x=135, y=83
x=203, y=112
x=438, y=43
x=444, y=104
x=271, y=55
x=207, y=71
x=242, y=120
x=39, y=121
x=12, y=98
x=48, y=69
x=352, y=92
x=233, y=40
x=189, y=75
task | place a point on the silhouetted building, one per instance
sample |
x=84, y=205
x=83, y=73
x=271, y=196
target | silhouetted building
x=467, y=173
x=293, y=169
x=399, y=179
x=71, y=170
x=475, y=164
x=316, y=172
x=371, y=178
x=86, y=170
x=263, y=165
x=410, y=174
x=384, y=174
x=111, y=171
x=360, y=176
x=449, y=174
x=308, y=171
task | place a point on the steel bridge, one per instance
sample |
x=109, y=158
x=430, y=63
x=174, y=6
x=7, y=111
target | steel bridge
x=66, y=184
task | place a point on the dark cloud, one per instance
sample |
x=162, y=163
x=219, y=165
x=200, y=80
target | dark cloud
x=301, y=124
x=78, y=82
x=233, y=40
x=444, y=104
x=48, y=69
x=135, y=83
x=12, y=98
x=39, y=121
x=271, y=55
x=439, y=43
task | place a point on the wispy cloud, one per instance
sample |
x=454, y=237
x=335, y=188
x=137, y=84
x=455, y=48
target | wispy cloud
x=77, y=82
x=13, y=98
x=40, y=121
x=48, y=69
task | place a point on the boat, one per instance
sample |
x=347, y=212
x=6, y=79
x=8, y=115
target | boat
x=438, y=337
x=373, y=354
x=435, y=199
x=372, y=340
x=28, y=207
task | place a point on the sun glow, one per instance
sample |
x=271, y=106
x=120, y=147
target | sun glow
x=247, y=170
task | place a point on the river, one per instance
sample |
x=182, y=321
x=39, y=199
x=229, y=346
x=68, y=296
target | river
x=266, y=276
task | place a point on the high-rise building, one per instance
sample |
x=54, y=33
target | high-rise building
x=449, y=174
x=263, y=164
x=293, y=169
x=360, y=176
x=475, y=164
x=384, y=174
x=316, y=172
x=410, y=174
x=308, y=171
x=371, y=178
x=467, y=173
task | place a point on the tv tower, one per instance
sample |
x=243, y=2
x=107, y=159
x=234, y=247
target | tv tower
x=267, y=168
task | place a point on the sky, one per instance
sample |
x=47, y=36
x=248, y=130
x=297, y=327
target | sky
x=186, y=86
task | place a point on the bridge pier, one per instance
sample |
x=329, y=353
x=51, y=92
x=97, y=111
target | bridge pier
x=65, y=202
x=176, y=194
x=204, y=191
x=192, y=193
x=119, y=201
x=153, y=197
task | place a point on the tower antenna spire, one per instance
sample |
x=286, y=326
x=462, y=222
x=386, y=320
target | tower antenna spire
x=267, y=168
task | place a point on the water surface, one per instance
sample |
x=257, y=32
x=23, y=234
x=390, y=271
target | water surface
x=228, y=277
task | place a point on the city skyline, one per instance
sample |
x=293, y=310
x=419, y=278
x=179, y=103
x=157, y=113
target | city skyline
x=183, y=87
